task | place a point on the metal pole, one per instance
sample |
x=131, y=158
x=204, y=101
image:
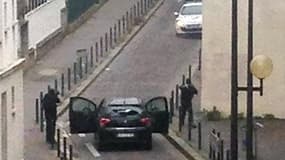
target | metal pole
x=55, y=85
x=183, y=79
x=180, y=119
x=115, y=33
x=106, y=42
x=86, y=65
x=62, y=84
x=176, y=96
x=249, y=117
x=189, y=73
x=119, y=29
x=111, y=38
x=37, y=111
x=68, y=78
x=80, y=68
x=64, y=149
x=172, y=103
x=91, y=56
x=124, y=24
x=199, y=136
x=96, y=52
x=234, y=83
x=101, y=46
x=74, y=73
x=200, y=59
x=189, y=126
x=70, y=152
x=58, y=143
x=41, y=112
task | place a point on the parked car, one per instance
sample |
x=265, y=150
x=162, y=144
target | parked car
x=189, y=19
x=119, y=120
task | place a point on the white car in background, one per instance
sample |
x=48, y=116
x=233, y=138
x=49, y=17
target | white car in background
x=189, y=19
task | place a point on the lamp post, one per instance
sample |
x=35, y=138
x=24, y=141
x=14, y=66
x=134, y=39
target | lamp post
x=261, y=66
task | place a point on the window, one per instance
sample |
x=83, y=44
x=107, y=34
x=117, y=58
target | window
x=4, y=132
x=5, y=14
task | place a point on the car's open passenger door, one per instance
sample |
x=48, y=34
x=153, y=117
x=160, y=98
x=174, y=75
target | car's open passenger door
x=82, y=115
x=158, y=109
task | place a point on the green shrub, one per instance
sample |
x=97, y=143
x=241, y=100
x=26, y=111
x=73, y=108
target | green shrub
x=214, y=115
x=268, y=116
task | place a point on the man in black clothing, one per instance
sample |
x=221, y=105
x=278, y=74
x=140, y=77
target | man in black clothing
x=50, y=101
x=187, y=93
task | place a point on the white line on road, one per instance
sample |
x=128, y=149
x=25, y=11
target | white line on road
x=93, y=151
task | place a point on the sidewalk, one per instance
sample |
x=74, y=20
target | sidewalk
x=55, y=62
x=270, y=144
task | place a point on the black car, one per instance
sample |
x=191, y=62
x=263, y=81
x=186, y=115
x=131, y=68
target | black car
x=119, y=119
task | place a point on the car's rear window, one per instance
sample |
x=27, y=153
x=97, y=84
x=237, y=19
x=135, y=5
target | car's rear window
x=119, y=111
x=191, y=10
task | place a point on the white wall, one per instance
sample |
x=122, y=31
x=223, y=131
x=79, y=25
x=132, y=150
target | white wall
x=15, y=123
x=269, y=39
x=44, y=20
x=9, y=32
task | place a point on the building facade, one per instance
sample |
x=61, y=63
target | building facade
x=11, y=80
x=268, y=39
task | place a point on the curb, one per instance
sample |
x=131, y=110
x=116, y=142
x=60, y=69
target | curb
x=111, y=57
x=183, y=147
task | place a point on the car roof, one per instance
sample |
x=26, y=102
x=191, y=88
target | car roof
x=192, y=4
x=117, y=101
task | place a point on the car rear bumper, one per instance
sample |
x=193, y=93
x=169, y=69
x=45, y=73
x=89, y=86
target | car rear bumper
x=180, y=30
x=111, y=135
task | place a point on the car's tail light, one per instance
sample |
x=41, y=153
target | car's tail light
x=145, y=121
x=104, y=121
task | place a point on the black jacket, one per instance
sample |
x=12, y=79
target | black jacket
x=187, y=93
x=50, y=101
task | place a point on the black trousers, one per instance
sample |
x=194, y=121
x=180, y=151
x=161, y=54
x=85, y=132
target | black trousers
x=50, y=130
x=186, y=108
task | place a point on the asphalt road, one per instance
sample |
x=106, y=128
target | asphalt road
x=149, y=66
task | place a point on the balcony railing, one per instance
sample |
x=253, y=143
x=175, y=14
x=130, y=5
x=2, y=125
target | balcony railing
x=33, y=4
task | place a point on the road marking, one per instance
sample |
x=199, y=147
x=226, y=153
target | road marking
x=82, y=135
x=93, y=151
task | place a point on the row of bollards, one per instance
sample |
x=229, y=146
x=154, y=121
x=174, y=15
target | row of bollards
x=216, y=146
x=66, y=153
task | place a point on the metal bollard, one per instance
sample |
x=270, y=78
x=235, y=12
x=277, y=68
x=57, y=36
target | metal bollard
x=189, y=73
x=96, y=52
x=37, y=111
x=172, y=104
x=176, y=96
x=183, y=79
x=55, y=85
x=119, y=29
x=80, y=68
x=58, y=143
x=48, y=88
x=115, y=33
x=62, y=84
x=64, y=149
x=214, y=154
x=144, y=6
x=138, y=9
x=70, y=152
x=41, y=112
x=199, y=136
x=228, y=155
x=141, y=7
x=131, y=18
x=135, y=11
x=189, y=127
x=200, y=59
x=68, y=78
x=124, y=24
x=91, y=57
x=180, y=119
x=127, y=21
x=222, y=150
x=74, y=73
x=106, y=42
x=111, y=38
x=86, y=65
x=101, y=46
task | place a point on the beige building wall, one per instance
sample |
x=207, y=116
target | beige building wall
x=269, y=39
x=11, y=84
